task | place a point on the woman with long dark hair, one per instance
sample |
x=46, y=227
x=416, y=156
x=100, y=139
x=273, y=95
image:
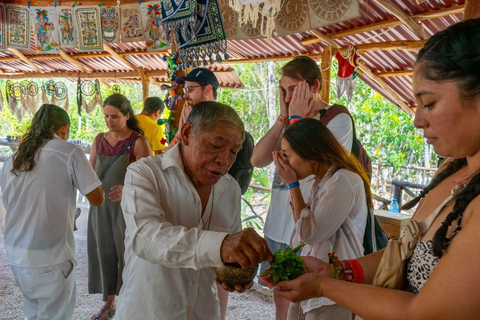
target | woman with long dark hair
x=441, y=271
x=111, y=154
x=39, y=184
x=335, y=213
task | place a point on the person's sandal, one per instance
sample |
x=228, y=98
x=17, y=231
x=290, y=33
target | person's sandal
x=109, y=315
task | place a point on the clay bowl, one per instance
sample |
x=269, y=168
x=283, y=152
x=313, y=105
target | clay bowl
x=233, y=274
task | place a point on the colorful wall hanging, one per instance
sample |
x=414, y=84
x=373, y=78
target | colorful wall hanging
x=131, y=23
x=45, y=30
x=180, y=16
x=230, y=19
x=3, y=33
x=18, y=27
x=110, y=17
x=348, y=61
x=210, y=38
x=155, y=37
x=67, y=27
x=88, y=29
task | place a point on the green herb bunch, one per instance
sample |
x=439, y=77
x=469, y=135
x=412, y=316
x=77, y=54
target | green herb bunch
x=286, y=265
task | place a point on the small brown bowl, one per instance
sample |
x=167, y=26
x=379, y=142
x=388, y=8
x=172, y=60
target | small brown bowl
x=233, y=274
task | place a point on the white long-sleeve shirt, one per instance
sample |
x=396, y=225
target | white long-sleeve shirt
x=335, y=218
x=169, y=256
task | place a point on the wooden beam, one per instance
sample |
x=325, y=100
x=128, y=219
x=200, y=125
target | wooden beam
x=325, y=69
x=119, y=57
x=26, y=60
x=367, y=72
x=325, y=38
x=83, y=75
x=391, y=45
x=416, y=28
x=73, y=61
x=315, y=56
x=398, y=73
x=388, y=24
x=472, y=9
x=145, y=83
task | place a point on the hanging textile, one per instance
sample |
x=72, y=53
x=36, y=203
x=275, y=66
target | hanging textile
x=293, y=18
x=89, y=36
x=182, y=21
x=45, y=29
x=3, y=33
x=261, y=13
x=230, y=19
x=67, y=28
x=155, y=37
x=210, y=38
x=110, y=18
x=348, y=61
x=131, y=23
x=18, y=25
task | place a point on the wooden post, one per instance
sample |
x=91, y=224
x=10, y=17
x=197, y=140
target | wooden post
x=472, y=9
x=180, y=73
x=145, y=84
x=325, y=67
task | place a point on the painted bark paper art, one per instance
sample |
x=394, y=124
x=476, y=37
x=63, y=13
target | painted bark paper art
x=155, y=38
x=45, y=29
x=110, y=23
x=131, y=23
x=3, y=33
x=66, y=27
x=89, y=29
x=18, y=27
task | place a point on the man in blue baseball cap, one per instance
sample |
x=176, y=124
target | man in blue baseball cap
x=200, y=84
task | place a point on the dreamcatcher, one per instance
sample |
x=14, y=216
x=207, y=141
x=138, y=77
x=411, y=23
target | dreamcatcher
x=85, y=89
x=53, y=92
x=116, y=89
x=24, y=92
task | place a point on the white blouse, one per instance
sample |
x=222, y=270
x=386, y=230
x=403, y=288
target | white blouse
x=334, y=219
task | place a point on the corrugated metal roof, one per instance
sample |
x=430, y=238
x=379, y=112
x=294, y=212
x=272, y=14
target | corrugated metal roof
x=377, y=61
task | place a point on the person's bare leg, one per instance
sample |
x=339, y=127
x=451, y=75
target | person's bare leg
x=281, y=307
x=223, y=297
x=109, y=303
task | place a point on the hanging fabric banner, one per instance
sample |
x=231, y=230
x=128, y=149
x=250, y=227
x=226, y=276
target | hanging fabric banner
x=210, y=38
x=155, y=37
x=45, y=29
x=89, y=36
x=325, y=12
x=230, y=19
x=18, y=27
x=182, y=22
x=293, y=18
x=67, y=27
x=3, y=38
x=110, y=17
x=131, y=23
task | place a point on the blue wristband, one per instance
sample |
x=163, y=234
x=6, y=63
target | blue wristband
x=294, y=185
x=294, y=117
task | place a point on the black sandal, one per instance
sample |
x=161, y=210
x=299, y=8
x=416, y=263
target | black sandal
x=109, y=315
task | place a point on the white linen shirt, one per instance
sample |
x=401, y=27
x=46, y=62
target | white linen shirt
x=169, y=258
x=279, y=224
x=40, y=204
x=335, y=218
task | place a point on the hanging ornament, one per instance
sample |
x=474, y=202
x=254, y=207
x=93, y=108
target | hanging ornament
x=116, y=89
x=172, y=67
x=348, y=61
x=79, y=97
x=172, y=98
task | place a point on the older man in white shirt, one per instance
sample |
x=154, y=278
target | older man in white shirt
x=182, y=213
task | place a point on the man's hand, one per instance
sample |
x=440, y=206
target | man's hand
x=238, y=288
x=284, y=170
x=283, y=104
x=302, y=100
x=245, y=247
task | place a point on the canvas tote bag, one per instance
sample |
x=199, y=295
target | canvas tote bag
x=391, y=270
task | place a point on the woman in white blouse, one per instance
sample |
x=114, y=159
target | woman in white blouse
x=334, y=215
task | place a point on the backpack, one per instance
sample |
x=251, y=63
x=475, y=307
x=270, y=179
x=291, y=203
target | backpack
x=357, y=149
x=374, y=238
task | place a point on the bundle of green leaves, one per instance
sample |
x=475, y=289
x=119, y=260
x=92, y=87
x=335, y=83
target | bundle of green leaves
x=286, y=265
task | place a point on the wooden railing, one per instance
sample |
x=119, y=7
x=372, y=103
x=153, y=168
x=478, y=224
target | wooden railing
x=400, y=186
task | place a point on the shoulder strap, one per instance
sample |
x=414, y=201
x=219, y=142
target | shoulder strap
x=326, y=115
x=116, y=158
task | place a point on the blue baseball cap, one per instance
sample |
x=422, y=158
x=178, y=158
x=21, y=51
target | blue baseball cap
x=199, y=75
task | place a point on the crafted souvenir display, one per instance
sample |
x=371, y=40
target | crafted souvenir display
x=172, y=66
x=172, y=98
x=348, y=61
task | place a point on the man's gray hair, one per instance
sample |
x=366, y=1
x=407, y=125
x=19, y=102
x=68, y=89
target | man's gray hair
x=208, y=115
